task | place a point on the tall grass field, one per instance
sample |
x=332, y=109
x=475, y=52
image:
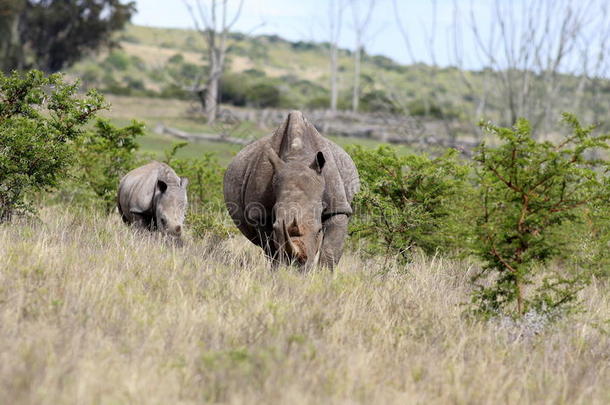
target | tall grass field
x=93, y=312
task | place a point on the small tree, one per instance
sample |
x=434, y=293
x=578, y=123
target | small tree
x=53, y=34
x=106, y=154
x=335, y=20
x=409, y=202
x=212, y=21
x=529, y=190
x=360, y=25
x=39, y=118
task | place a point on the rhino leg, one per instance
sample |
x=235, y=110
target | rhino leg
x=335, y=231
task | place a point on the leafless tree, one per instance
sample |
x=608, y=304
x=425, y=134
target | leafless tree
x=536, y=57
x=595, y=57
x=528, y=48
x=211, y=19
x=428, y=34
x=360, y=24
x=335, y=20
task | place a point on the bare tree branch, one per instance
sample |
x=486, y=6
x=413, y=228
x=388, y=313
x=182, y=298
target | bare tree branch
x=403, y=31
x=360, y=26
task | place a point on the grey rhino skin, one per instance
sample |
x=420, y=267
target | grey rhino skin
x=153, y=197
x=290, y=193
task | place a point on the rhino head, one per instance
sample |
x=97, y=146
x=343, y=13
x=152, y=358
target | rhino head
x=170, y=206
x=297, y=213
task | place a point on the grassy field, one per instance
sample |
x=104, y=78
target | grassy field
x=176, y=113
x=92, y=312
x=172, y=113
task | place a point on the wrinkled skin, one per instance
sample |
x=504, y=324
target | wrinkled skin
x=297, y=227
x=153, y=197
x=290, y=194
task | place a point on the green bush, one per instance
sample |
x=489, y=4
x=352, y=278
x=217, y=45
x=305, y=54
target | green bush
x=134, y=83
x=586, y=242
x=105, y=154
x=263, y=95
x=410, y=202
x=91, y=76
x=138, y=63
x=255, y=73
x=117, y=60
x=233, y=89
x=175, y=91
x=304, y=46
x=319, y=102
x=177, y=77
x=177, y=58
x=39, y=118
x=532, y=193
x=384, y=62
x=378, y=101
x=423, y=108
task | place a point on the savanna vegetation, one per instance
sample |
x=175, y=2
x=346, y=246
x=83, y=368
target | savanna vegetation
x=492, y=269
x=475, y=275
x=92, y=312
x=265, y=71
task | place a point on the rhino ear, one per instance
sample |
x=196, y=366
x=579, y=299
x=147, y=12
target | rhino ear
x=161, y=185
x=275, y=160
x=318, y=163
x=184, y=182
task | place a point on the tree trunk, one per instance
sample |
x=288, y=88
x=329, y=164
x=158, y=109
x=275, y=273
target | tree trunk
x=216, y=55
x=334, y=90
x=11, y=53
x=356, y=89
x=211, y=97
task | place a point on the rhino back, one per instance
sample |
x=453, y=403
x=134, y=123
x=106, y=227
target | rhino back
x=247, y=189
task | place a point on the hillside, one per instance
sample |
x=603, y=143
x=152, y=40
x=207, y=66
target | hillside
x=159, y=61
x=268, y=71
x=423, y=104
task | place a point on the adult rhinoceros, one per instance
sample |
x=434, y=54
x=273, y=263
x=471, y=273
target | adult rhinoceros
x=153, y=197
x=290, y=194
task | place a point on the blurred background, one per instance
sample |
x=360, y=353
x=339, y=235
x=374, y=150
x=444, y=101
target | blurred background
x=421, y=74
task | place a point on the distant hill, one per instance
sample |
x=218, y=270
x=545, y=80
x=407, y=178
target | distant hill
x=165, y=62
x=269, y=71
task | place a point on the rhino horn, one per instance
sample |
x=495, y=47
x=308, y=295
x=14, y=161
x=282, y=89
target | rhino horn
x=293, y=229
x=291, y=248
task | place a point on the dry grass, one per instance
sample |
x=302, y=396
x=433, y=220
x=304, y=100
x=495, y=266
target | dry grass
x=94, y=313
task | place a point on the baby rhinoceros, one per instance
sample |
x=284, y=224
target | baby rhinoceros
x=154, y=197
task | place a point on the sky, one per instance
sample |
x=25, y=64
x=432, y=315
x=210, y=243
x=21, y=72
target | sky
x=430, y=25
x=306, y=20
